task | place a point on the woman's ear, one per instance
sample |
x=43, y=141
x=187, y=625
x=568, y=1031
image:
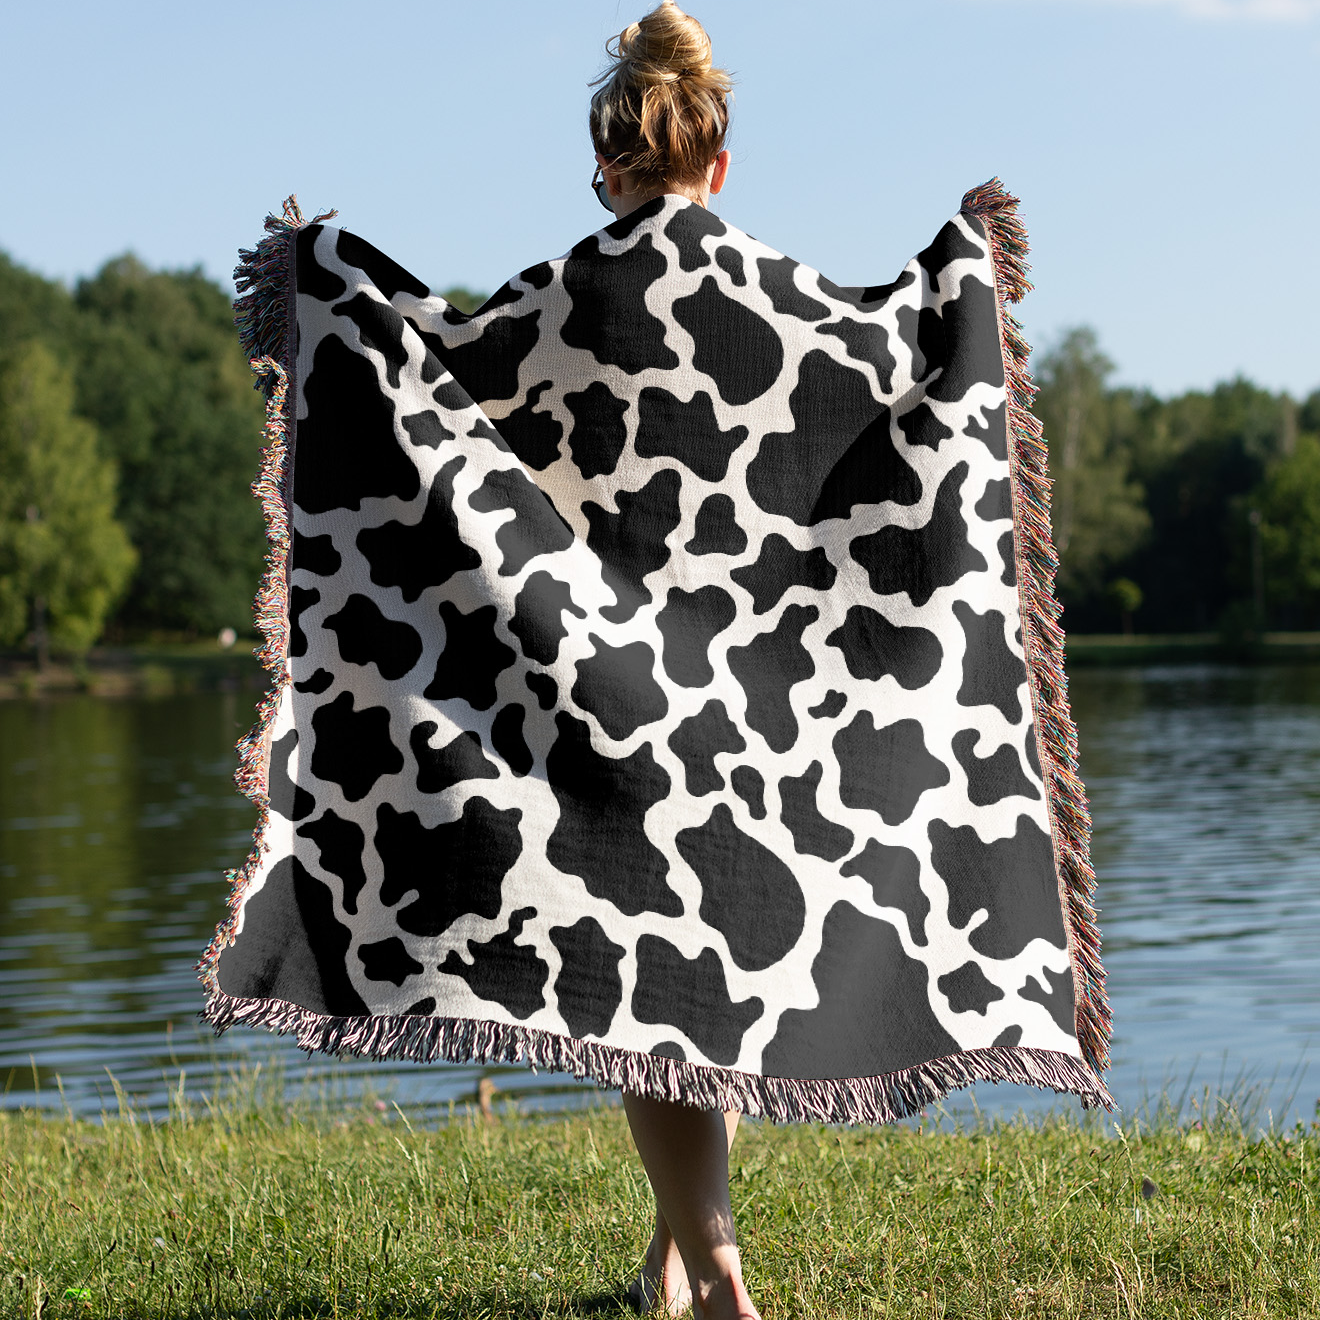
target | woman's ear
x=719, y=171
x=612, y=175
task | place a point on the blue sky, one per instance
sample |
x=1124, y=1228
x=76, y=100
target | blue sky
x=1165, y=150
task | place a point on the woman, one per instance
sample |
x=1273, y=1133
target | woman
x=667, y=682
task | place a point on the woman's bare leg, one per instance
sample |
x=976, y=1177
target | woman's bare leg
x=662, y=1285
x=686, y=1155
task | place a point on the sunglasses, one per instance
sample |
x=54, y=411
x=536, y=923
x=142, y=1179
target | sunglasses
x=600, y=187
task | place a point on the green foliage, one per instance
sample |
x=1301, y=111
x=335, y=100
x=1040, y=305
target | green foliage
x=1098, y=511
x=64, y=559
x=1289, y=504
x=464, y=299
x=271, y=1212
x=162, y=374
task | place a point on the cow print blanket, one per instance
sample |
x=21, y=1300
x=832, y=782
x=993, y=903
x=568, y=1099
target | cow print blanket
x=667, y=685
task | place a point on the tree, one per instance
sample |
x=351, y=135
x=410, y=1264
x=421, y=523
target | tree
x=162, y=375
x=1098, y=510
x=64, y=559
x=1289, y=504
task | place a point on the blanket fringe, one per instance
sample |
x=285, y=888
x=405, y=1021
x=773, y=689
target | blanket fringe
x=1042, y=636
x=263, y=313
x=861, y=1100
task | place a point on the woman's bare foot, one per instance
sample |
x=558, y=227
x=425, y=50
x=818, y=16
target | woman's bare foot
x=661, y=1288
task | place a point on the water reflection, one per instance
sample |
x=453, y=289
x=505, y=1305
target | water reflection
x=117, y=819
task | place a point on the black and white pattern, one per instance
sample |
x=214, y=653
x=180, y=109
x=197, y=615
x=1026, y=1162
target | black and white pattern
x=655, y=665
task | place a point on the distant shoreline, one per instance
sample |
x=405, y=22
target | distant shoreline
x=187, y=667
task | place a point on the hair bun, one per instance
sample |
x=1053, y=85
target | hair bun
x=666, y=44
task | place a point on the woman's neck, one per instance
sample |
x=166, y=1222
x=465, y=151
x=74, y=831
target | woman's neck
x=627, y=201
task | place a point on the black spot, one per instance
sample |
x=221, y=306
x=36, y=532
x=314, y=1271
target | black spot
x=1013, y=879
x=691, y=994
x=289, y=799
x=503, y=971
x=380, y=328
x=600, y=835
x=1059, y=999
x=599, y=431
x=838, y=452
x=920, y=426
x=993, y=433
x=538, y=276
x=747, y=893
x=968, y=989
x=812, y=833
x=347, y=450
x=866, y=341
x=427, y=553
x=455, y=869
x=388, y=960
x=885, y=770
x=923, y=559
x=1005, y=547
x=388, y=276
x=994, y=777
x=313, y=278
x=1007, y=1038
x=996, y=503
x=449, y=394
x=609, y=317
x=537, y=620
x=1033, y=756
x=785, y=296
x=749, y=786
x=617, y=685
x=730, y=261
x=698, y=740
x=353, y=748
x=874, y=1014
x=669, y=1049
x=894, y=875
x=872, y=297
x=873, y=647
x=543, y=688
x=318, y=683
x=949, y=245
x=340, y=844
x=459, y=759
x=300, y=599
x=686, y=228
x=992, y=674
x=292, y=946
x=631, y=543
x=422, y=1008
x=535, y=528
x=316, y=554
x=487, y=367
x=732, y=345
x=780, y=566
x=367, y=637
x=923, y=332
x=588, y=988
x=767, y=668
x=689, y=622
x=506, y=737
x=669, y=428
x=533, y=436
x=970, y=343
x=831, y=704
x=472, y=659
x=716, y=531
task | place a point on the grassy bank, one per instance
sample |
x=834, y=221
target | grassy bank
x=145, y=669
x=269, y=1211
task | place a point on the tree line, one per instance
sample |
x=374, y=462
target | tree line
x=129, y=436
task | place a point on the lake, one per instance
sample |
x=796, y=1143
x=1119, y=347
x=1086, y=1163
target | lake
x=118, y=818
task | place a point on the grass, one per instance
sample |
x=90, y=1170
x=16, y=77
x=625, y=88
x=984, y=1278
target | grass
x=252, y=1207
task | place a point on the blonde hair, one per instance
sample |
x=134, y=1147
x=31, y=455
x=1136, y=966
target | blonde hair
x=661, y=107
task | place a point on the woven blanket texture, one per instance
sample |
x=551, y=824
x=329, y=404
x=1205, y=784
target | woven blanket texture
x=667, y=685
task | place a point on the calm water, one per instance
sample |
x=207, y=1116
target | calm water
x=117, y=819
